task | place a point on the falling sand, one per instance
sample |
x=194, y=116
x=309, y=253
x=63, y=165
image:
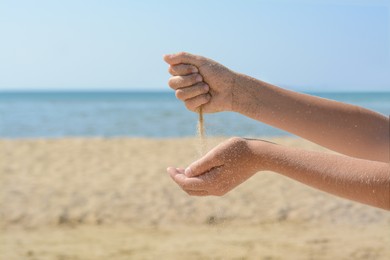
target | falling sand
x=201, y=132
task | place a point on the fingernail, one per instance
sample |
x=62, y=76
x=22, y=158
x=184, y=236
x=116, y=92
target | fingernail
x=199, y=78
x=206, y=87
x=194, y=70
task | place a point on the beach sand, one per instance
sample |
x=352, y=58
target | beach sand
x=97, y=198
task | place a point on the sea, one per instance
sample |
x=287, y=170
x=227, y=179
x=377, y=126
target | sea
x=43, y=114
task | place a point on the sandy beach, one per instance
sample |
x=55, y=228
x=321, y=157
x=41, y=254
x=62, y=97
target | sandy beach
x=111, y=198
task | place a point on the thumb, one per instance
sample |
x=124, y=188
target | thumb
x=202, y=166
x=184, y=57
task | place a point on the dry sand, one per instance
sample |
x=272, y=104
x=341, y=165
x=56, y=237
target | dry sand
x=112, y=199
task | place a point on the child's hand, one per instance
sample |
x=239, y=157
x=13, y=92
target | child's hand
x=200, y=81
x=222, y=169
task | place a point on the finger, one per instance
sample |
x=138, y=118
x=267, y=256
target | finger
x=184, y=182
x=184, y=57
x=204, y=165
x=180, y=170
x=192, y=91
x=182, y=69
x=173, y=171
x=194, y=103
x=197, y=192
x=176, y=82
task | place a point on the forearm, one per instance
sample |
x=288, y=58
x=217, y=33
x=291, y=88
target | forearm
x=352, y=178
x=348, y=129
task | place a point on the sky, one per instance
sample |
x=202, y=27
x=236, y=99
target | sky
x=316, y=45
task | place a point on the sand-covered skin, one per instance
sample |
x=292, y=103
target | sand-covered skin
x=112, y=199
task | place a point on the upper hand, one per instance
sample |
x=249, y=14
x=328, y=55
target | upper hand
x=199, y=81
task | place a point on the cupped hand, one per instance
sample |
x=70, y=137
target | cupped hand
x=223, y=168
x=199, y=81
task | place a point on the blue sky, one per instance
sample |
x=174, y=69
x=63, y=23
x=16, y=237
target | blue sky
x=305, y=45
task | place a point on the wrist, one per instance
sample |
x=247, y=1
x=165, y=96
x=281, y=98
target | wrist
x=237, y=92
x=247, y=94
x=263, y=154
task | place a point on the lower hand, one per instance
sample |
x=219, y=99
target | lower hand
x=223, y=168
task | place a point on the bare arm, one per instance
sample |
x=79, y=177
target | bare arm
x=345, y=128
x=236, y=160
x=361, y=180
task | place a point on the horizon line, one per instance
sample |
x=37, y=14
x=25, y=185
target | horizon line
x=2, y=91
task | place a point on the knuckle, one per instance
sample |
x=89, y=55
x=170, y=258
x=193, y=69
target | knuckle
x=200, y=89
x=179, y=70
x=190, y=68
x=171, y=70
x=193, y=77
x=205, y=87
x=205, y=97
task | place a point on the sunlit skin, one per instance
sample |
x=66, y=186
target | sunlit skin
x=362, y=173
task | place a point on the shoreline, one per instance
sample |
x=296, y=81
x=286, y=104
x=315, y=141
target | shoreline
x=145, y=137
